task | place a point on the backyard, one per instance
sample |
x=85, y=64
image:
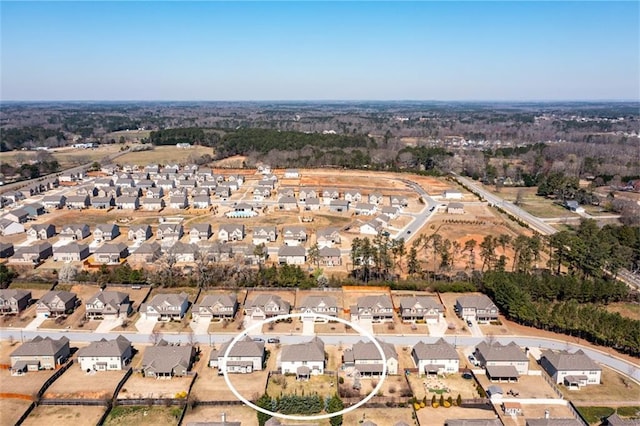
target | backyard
x=56, y=415
x=137, y=415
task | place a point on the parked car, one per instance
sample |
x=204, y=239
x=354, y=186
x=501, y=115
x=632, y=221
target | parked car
x=473, y=360
x=273, y=340
x=258, y=339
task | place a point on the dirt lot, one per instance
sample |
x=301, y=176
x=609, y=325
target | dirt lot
x=613, y=387
x=380, y=416
x=323, y=385
x=11, y=410
x=64, y=415
x=76, y=383
x=526, y=387
x=136, y=415
x=438, y=416
x=453, y=384
x=27, y=384
x=210, y=386
x=162, y=154
x=234, y=413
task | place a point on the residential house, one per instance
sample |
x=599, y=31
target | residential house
x=74, y=232
x=261, y=192
x=216, y=306
x=286, y=192
x=329, y=194
x=477, y=307
x=78, y=201
x=109, y=191
x=130, y=192
x=106, y=355
x=164, y=361
x=106, y=232
x=571, y=369
x=166, y=307
x=70, y=177
x=366, y=358
x=201, y=202
x=125, y=183
x=328, y=237
x=502, y=362
x=183, y=252
x=178, y=202
x=54, y=201
x=291, y=174
x=41, y=231
x=55, y=303
x=399, y=201
x=139, y=232
x=6, y=250
x=33, y=254
x=110, y=253
x=312, y=204
x=90, y=191
x=13, y=301
x=200, y=232
x=71, y=252
x=292, y=255
x=306, y=193
x=170, y=231
x=9, y=227
x=373, y=227
x=267, y=183
x=18, y=215
x=435, y=358
x=266, y=306
x=338, y=206
x=34, y=210
x=264, y=234
x=375, y=198
x=219, y=252
x=455, y=208
x=294, y=235
x=223, y=191
x=230, y=232
x=421, y=308
x=165, y=184
x=40, y=354
x=177, y=192
x=375, y=308
x=153, y=204
x=154, y=192
x=107, y=304
x=612, y=420
x=573, y=206
x=325, y=305
x=104, y=182
x=390, y=211
x=148, y=252
x=287, y=203
x=452, y=194
x=330, y=256
x=126, y=202
x=303, y=359
x=366, y=209
x=104, y=203
x=353, y=196
x=145, y=184
x=245, y=356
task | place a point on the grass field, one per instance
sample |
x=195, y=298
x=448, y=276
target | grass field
x=594, y=415
x=136, y=415
x=67, y=157
x=164, y=154
x=613, y=387
x=629, y=310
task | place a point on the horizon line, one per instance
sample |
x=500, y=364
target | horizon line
x=625, y=100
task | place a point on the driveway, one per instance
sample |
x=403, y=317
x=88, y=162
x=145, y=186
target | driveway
x=200, y=326
x=475, y=329
x=145, y=325
x=37, y=322
x=308, y=328
x=437, y=330
x=106, y=325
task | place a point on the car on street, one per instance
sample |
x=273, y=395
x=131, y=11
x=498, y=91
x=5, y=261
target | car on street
x=273, y=340
x=258, y=339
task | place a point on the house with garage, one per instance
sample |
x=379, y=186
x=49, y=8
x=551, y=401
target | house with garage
x=375, y=198
x=153, y=204
x=34, y=210
x=14, y=301
x=106, y=355
x=231, y=232
x=268, y=183
x=286, y=192
x=18, y=215
x=391, y=212
x=376, y=308
x=312, y=204
x=54, y=201
x=148, y=252
x=184, y=252
x=41, y=231
x=502, y=362
x=109, y=191
x=104, y=182
x=325, y=305
x=353, y=196
x=245, y=357
x=40, y=354
x=294, y=235
x=338, y=206
x=399, y=201
x=71, y=252
x=330, y=256
x=170, y=231
x=178, y=202
x=287, y=203
x=90, y=191
x=166, y=307
x=264, y=235
x=372, y=227
x=106, y=232
x=55, y=303
x=223, y=191
x=130, y=192
x=455, y=208
x=266, y=305
x=439, y=357
x=110, y=253
x=128, y=202
x=9, y=227
x=216, y=307
x=421, y=308
x=261, y=192
x=33, y=254
x=75, y=232
x=366, y=209
x=574, y=370
x=154, y=192
x=200, y=232
x=305, y=193
x=108, y=304
x=166, y=184
x=201, y=202
x=78, y=201
x=329, y=194
x=164, y=361
x=476, y=307
x=366, y=358
x=303, y=359
x=328, y=237
x=103, y=202
x=292, y=255
x=139, y=233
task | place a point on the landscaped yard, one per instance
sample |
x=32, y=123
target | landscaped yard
x=449, y=385
x=57, y=415
x=136, y=415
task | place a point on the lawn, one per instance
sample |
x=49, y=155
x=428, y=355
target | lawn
x=629, y=310
x=380, y=416
x=52, y=415
x=323, y=385
x=164, y=154
x=614, y=387
x=594, y=415
x=136, y=415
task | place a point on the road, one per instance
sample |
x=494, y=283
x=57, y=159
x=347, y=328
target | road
x=622, y=366
x=419, y=218
x=624, y=275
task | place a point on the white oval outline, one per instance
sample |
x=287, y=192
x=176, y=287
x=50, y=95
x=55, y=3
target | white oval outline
x=305, y=418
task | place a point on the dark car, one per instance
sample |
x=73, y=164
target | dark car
x=273, y=340
x=258, y=339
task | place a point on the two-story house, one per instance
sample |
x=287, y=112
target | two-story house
x=107, y=304
x=573, y=370
x=40, y=354
x=230, y=232
x=303, y=359
x=55, y=303
x=435, y=358
x=326, y=305
x=421, y=308
x=266, y=306
x=105, y=355
x=14, y=301
x=477, y=307
x=246, y=356
x=216, y=306
x=166, y=307
x=375, y=308
x=502, y=362
x=366, y=358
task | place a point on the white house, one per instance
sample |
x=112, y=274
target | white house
x=245, y=357
x=452, y=194
x=366, y=358
x=105, y=355
x=574, y=370
x=303, y=359
x=435, y=358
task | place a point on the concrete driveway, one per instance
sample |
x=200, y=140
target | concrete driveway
x=37, y=322
x=200, y=326
x=106, y=325
x=145, y=325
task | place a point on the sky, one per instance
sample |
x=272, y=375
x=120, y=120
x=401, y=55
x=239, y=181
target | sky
x=290, y=50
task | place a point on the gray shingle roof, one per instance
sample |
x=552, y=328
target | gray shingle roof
x=499, y=352
x=292, y=251
x=368, y=351
x=8, y=293
x=438, y=350
x=310, y=351
x=420, y=302
x=243, y=348
x=553, y=422
x=164, y=358
x=262, y=299
x=41, y=346
x=65, y=296
x=566, y=361
x=478, y=301
x=375, y=302
x=107, y=297
x=104, y=347
x=315, y=301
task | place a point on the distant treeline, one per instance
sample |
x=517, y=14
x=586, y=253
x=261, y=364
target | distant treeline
x=190, y=135
x=15, y=138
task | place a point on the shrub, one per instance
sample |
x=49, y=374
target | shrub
x=459, y=400
x=416, y=406
x=341, y=380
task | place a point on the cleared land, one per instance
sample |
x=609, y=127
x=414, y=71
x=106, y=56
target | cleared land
x=380, y=416
x=11, y=409
x=77, y=383
x=136, y=415
x=67, y=157
x=629, y=310
x=27, y=384
x=64, y=415
x=530, y=202
x=164, y=154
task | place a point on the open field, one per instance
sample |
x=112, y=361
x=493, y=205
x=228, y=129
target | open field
x=324, y=385
x=11, y=409
x=613, y=387
x=64, y=415
x=67, y=157
x=438, y=416
x=532, y=203
x=164, y=154
x=629, y=310
x=136, y=415
x=453, y=384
